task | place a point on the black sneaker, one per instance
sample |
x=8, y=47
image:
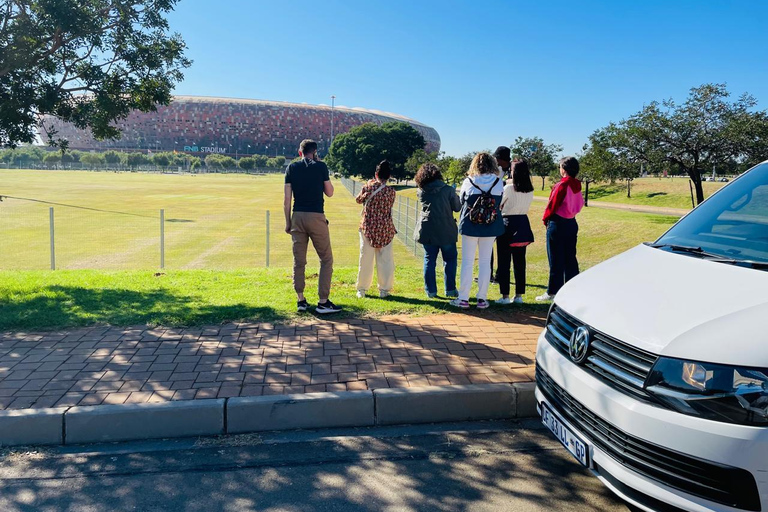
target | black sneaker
x=302, y=306
x=327, y=307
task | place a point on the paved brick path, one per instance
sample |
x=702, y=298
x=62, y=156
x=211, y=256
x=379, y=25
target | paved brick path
x=107, y=365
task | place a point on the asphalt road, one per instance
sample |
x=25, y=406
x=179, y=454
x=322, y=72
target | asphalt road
x=478, y=467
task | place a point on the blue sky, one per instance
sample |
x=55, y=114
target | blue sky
x=481, y=72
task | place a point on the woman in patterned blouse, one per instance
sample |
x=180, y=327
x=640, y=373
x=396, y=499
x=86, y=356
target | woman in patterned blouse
x=376, y=233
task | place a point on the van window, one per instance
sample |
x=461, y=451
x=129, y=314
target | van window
x=732, y=224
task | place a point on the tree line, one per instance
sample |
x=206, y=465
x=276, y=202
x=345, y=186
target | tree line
x=26, y=156
x=707, y=131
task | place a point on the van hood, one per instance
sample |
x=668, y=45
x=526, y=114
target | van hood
x=675, y=305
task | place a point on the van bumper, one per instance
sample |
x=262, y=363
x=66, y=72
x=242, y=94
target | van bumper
x=742, y=448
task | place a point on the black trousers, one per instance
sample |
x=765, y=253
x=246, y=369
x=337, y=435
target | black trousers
x=510, y=256
x=562, y=235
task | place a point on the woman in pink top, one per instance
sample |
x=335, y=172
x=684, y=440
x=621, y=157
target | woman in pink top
x=565, y=202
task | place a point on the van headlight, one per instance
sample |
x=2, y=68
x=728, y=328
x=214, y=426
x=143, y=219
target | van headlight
x=716, y=392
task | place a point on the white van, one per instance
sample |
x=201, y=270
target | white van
x=653, y=367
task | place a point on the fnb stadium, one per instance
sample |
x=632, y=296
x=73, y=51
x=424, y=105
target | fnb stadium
x=235, y=127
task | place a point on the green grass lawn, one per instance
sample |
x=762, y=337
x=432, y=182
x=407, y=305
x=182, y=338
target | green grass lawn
x=106, y=220
x=227, y=290
x=665, y=192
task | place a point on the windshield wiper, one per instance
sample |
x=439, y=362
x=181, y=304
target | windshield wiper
x=758, y=265
x=684, y=248
x=698, y=251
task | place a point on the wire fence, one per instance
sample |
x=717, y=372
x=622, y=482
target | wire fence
x=39, y=235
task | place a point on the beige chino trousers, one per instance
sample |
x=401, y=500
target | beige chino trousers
x=385, y=265
x=306, y=226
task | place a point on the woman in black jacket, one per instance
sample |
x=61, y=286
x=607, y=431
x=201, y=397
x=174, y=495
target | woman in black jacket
x=436, y=227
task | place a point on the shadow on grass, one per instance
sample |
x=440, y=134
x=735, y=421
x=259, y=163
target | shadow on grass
x=57, y=306
x=597, y=192
x=655, y=194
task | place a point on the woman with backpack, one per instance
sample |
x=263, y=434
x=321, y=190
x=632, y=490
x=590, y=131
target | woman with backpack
x=479, y=224
x=515, y=203
x=436, y=228
x=377, y=230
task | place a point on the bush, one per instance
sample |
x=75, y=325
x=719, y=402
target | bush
x=161, y=159
x=247, y=163
x=92, y=159
x=52, y=158
x=112, y=157
x=135, y=159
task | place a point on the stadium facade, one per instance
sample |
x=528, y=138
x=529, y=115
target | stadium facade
x=234, y=127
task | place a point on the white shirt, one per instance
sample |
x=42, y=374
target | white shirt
x=484, y=181
x=514, y=202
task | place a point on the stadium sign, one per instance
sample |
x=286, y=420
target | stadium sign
x=205, y=149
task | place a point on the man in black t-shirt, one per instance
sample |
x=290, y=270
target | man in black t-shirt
x=306, y=181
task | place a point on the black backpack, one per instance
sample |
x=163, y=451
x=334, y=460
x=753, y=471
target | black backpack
x=484, y=210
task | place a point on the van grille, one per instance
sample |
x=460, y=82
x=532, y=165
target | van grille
x=620, y=365
x=727, y=485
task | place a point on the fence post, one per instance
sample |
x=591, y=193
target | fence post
x=162, y=238
x=53, y=248
x=267, y=238
x=415, y=216
x=399, y=224
x=407, y=220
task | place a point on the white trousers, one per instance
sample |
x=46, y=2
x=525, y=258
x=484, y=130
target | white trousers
x=385, y=265
x=484, y=246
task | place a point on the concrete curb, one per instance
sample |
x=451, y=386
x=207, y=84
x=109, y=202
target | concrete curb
x=434, y=404
x=132, y=422
x=309, y=410
x=32, y=426
x=144, y=421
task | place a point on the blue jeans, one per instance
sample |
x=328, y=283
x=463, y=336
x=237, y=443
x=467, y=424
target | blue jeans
x=562, y=235
x=450, y=255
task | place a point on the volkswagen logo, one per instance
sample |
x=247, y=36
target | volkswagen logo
x=578, y=348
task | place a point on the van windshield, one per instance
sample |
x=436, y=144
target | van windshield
x=731, y=226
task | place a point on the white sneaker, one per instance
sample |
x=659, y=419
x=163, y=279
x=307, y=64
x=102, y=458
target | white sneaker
x=383, y=294
x=544, y=297
x=463, y=304
x=517, y=300
x=503, y=300
x=360, y=294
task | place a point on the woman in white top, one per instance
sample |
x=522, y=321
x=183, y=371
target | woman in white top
x=515, y=203
x=479, y=225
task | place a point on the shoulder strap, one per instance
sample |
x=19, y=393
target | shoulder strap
x=481, y=190
x=374, y=193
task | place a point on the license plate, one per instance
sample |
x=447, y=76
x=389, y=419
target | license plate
x=572, y=443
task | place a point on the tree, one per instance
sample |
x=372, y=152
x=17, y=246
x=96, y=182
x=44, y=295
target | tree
x=260, y=161
x=246, y=163
x=52, y=158
x=92, y=159
x=276, y=163
x=457, y=168
x=136, y=159
x=419, y=158
x=86, y=62
x=220, y=162
x=704, y=131
x=541, y=158
x=161, y=159
x=112, y=157
x=227, y=162
x=358, y=151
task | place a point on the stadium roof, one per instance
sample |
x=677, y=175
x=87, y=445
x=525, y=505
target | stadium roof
x=359, y=110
